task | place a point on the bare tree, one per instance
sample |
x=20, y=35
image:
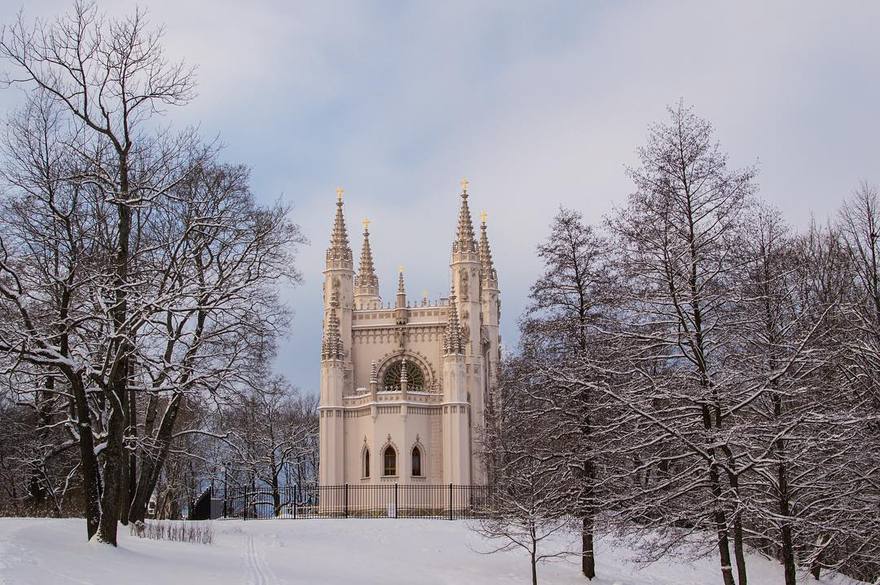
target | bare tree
x=108, y=77
x=523, y=510
x=675, y=238
x=272, y=428
x=136, y=272
x=562, y=339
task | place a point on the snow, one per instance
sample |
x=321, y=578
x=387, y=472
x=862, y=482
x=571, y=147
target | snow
x=332, y=552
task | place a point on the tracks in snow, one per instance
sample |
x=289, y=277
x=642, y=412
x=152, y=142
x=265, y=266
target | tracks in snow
x=258, y=572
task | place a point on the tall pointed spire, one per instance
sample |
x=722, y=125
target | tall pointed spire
x=339, y=249
x=487, y=267
x=452, y=342
x=366, y=279
x=464, y=237
x=331, y=348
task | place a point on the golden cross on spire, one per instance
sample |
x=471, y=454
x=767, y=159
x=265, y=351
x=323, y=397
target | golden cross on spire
x=464, y=185
x=339, y=192
x=400, y=269
x=366, y=224
x=483, y=217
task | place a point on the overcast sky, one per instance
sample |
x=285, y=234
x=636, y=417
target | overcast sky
x=538, y=104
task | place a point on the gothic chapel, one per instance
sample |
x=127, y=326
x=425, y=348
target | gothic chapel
x=404, y=386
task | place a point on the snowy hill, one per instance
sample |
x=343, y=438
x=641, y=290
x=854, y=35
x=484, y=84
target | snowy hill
x=333, y=552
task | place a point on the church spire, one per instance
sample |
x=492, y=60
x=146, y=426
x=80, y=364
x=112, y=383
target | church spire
x=464, y=237
x=487, y=267
x=366, y=282
x=452, y=342
x=339, y=249
x=331, y=348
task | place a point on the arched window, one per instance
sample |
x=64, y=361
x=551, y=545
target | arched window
x=366, y=463
x=390, y=460
x=417, y=462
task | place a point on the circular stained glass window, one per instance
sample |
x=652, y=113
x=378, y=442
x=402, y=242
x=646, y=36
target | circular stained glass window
x=415, y=380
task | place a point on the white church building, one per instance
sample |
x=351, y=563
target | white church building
x=405, y=385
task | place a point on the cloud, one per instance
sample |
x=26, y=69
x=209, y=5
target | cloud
x=538, y=106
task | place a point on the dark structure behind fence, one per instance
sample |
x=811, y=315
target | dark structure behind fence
x=206, y=507
x=447, y=502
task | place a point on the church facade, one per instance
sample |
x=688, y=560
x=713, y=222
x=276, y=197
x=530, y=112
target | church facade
x=405, y=385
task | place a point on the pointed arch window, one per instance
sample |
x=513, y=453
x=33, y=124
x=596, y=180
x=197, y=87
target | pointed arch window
x=416, y=461
x=389, y=459
x=366, y=470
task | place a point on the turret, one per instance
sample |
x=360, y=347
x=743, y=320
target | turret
x=335, y=348
x=456, y=411
x=339, y=281
x=366, y=283
x=465, y=267
x=490, y=305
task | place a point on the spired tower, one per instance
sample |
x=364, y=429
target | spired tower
x=405, y=385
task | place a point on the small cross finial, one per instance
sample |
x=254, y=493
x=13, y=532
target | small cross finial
x=464, y=185
x=425, y=293
x=400, y=269
x=339, y=192
x=366, y=224
x=483, y=217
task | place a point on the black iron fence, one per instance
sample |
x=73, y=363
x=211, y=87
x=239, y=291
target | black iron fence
x=447, y=501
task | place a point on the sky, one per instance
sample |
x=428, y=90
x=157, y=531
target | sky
x=539, y=105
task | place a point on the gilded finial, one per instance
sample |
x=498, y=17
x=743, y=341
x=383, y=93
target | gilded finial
x=366, y=223
x=400, y=269
x=483, y=217
x=464, y=185
x=339, y=192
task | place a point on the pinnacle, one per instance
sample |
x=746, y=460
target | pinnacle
x=452, y=343
x=464, y=237
x=367, y=272
x=487, y=266
x=339, y=247
x=331, y=348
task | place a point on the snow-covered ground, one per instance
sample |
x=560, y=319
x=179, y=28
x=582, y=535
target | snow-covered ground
x=334, y=552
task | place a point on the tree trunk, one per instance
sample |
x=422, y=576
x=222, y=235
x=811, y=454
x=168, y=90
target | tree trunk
x=534, y=569
x=533, y=551
x=738, y=548
x=117, y=388
x=88, y=459
x=785, y=513
x=112, y=456
x=588, y=558
x=124, y=466
x=276, y=494
x=129, y=482
x=720, y=520
x=151, y=467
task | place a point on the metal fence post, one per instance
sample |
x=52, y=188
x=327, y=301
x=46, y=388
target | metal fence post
x=345, y=504
x=450, y=501
x=396, y=510
x=294, y=501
